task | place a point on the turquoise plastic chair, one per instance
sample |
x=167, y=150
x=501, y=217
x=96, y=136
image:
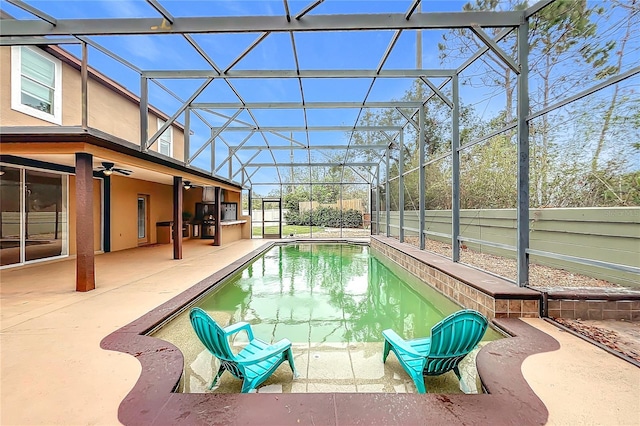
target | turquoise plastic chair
x=451, y=340
x=253, y=364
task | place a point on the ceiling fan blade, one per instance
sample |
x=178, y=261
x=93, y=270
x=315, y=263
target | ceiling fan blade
x=123, y=171
x=107, y=165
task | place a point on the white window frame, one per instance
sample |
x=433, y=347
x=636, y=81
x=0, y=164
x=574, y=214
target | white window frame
x=168, y=132
x=16, y=86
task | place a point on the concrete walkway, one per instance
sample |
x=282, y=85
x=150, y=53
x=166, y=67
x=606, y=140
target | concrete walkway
x=53, y=370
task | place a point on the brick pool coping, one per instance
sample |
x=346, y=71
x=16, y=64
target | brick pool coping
x=152, y=400
x=472, y=288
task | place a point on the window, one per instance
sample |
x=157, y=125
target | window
x=142, y=217
x=165, y=141
x=36, y=84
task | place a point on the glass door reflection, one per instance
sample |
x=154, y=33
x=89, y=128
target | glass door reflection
x=10, y=223
x=45, y=210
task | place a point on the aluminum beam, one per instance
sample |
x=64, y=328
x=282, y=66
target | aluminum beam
x=247, y=164
x=84, y=85
x=387, y=73
x=187, y=135
x=421, y=177
x=110, y=54
x=412, y=9
x=491, y=44
x=584, y=261
x=214, y=134
x=455, y=170
x=401, y=187
x=202, y=53
x=387, y=198
x=316, y=183
x=610, y=81
x=308, y=105
x=287, y=13
x=144, y=112
x=246, y=51
x=312, y=147
x=378, y=199
x=161, y=10
x=502, y=34
x=184, y=106
x=437, y=91
x=313, y=129
x=308, y=9
x=537, y=7
x=326, y=164
x=37, y=41
x=232, y=153
x=523, y=156
x=409, y=119
x=489, y=135
x=32, y=10
x=253, y=24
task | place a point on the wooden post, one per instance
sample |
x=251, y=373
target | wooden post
x=85, y=262
x=177, y=217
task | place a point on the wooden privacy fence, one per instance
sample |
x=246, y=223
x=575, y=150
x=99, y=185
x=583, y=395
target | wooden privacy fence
x=606, y=234
x=355, y=204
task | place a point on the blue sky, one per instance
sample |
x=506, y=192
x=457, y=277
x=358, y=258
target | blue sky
x=328, y=50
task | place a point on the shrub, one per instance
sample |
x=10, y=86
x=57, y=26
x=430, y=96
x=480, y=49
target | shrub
x=326, y=217
x=351, y=219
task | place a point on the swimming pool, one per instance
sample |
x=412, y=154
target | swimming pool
x=332, y=301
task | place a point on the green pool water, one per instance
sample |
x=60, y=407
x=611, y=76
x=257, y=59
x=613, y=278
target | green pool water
x=332, y=301
x=320, y=293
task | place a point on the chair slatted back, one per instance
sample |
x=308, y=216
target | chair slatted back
x=453, y=338
x=211, y=335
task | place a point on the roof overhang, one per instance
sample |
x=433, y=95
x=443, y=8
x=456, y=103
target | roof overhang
x=44, y=142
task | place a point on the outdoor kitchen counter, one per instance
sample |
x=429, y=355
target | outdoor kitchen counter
x=234, y=230
x=232, y=222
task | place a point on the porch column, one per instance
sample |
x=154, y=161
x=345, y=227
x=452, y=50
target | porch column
x=177, y=217
x=85, y=264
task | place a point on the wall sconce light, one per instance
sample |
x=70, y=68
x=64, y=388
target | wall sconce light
x=186, y=184
x=1, y=172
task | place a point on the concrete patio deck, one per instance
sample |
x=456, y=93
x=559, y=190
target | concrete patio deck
x=53, y=370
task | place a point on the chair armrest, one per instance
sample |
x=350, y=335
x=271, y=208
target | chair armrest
x=397, y=341
x=237, y=327
x=268, y=352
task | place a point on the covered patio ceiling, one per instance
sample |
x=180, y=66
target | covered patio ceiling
x=268, y=89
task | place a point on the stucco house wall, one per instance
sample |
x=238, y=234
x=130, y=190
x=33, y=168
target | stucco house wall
x=111, y=108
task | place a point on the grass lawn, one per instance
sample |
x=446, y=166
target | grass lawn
x=286, y=230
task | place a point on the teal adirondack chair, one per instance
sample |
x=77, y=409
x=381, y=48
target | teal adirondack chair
x=451, y=340
x=253, y=364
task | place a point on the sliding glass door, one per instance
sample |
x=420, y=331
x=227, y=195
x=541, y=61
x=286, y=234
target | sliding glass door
x=10, y=215
x=45, y=224
x=33, y=209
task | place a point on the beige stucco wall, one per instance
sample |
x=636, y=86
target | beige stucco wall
x=230, y=233
x=109, y=111
x=124, y=209
x=189, y=200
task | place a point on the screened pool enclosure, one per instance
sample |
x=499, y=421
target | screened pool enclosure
x=501, y=128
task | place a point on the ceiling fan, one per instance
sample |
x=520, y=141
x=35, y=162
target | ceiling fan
x=108, y=168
